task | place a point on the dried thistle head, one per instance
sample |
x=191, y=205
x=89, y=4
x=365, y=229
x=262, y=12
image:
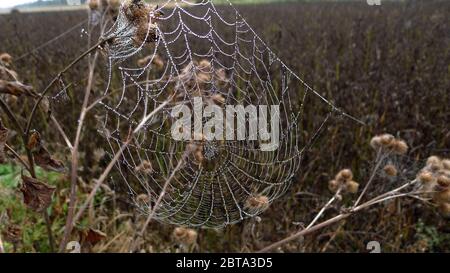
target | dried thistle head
x=94, y=4
x=389, y=143
x=333, y=185
x=375, y=142
x=443, y=181
x=137, y=11
x=351, y=187
x=343, y=180
x=446, y=164
x=425, y=177
x=390, y=170
x=400, y=147
x=16, y=89
x=185, y=236
x=199, y=157
x=6, y=59
x=434, y=163
x=135, y=27
x=204, y=65
x=145, y=34
x=145, y=167
x=258, y=202
x=221, y=76
x=344, y=175
x=386, y=140
x=196, y=151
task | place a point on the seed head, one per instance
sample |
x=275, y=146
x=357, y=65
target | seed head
x=221, y=76
x=352, y=187
x=344, y=175
x=94, y=4
x=375, y=142
x=137, y=11
x=390, y=170
x=386, y=140
x=145, y=34
x=203, y=77
x=443, y=181
x=333, y=185
x=204, y=65
x=259, y=202
x=6, y=59
x=400, y=147
x=425, y=177
x=143, y=198
x=185, y=236
x=145, y=167
x=434, y=163
x=446, y=164
x=16, y=89
x=199, y=157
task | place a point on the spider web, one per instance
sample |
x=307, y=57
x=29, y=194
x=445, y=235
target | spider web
x=218, y=56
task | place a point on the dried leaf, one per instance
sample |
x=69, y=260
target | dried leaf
x=36, y=194
x=44, y=160
x=16, y=89
x=12, y=234
x=92, y=236
x=3, y=137
x=41, y=155
x=34, y=141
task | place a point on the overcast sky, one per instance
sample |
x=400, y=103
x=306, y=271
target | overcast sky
x=12, y=3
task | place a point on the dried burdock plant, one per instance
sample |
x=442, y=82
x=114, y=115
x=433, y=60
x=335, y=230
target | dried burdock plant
x=197, y=78
x=145, y=167
x=389, y=143
x=94, y=4
x=16, y=89
x=6, y=72
x=343, y=182
x=185, y=236
x=390, y=170
x=37, y=195
x=424, y=187
x=135, y=27
x=434, y=180
x=257, y=203
x=6, y=59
